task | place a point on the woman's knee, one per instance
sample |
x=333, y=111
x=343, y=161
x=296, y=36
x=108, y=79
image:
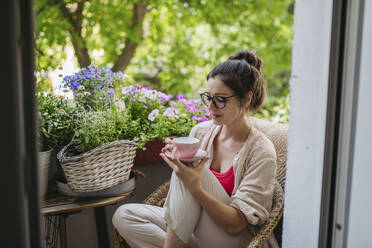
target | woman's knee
x=124, y=216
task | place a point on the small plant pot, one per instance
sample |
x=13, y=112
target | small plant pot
x=43, y=168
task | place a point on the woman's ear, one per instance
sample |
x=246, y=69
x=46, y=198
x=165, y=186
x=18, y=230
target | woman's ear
x=248, y=101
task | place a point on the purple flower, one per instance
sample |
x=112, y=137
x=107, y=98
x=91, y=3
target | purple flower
x=171, y=112
x=92, y=78
x=195, y=118
x=110, y=94
x=153, y=115
x=75, y=86
x=126, y=90
x=132, y=93
x=164, y=97
x=190, y=107
x=180, y=96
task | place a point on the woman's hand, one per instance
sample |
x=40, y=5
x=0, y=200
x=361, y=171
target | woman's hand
x=168, y=145
x=190, y=175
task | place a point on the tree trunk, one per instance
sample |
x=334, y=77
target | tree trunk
x=78, y=42
x=131, y=44
x=81, y=52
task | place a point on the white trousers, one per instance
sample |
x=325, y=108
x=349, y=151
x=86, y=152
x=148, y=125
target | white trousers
x=144, y=226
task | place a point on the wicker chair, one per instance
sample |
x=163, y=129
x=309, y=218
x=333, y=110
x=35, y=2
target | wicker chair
x=277, y=133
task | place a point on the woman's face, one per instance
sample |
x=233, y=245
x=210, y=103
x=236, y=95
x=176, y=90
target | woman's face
x=232, y=110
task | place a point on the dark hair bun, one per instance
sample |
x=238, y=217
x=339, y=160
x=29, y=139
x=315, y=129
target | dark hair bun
x=249, y=57
x=242, y=73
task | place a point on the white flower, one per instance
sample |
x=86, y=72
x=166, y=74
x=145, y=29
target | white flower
x=81, y=88
x=120, y=105
x=79, y=94
x=62, y=111
x=153, y=114
x=71, y=103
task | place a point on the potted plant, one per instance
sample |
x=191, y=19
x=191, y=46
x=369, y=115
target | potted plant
x=100, y=153
x=159, y=116
x=57, y=117
x=102, y=150
x=121, y=112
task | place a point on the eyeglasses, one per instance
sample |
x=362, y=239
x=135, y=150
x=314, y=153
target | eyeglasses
x=218, y=101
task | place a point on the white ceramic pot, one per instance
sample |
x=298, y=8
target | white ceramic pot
x=44, y=165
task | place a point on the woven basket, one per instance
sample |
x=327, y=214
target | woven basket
x=100, y=168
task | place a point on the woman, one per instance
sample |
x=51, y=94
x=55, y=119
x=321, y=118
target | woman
x=220, y=201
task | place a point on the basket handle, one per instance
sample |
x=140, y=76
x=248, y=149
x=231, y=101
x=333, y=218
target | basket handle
x=61, y=153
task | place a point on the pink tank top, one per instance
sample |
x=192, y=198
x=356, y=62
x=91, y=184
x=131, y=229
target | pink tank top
x=226, y=179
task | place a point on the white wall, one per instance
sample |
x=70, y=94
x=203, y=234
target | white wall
x=309, y=85
x=360, y=219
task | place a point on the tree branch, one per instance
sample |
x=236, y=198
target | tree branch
x=78, y=42
x=139, y=12
x=79, y=12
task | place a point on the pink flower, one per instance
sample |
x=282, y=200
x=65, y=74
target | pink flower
x=190, y=107
x=198, y=118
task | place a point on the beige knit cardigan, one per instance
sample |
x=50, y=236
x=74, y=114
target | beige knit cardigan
x=255, y=170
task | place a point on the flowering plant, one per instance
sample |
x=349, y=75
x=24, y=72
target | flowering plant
x=57, y=119
x=119, y=112
x=93, y=78
x=139, y=114
x=91, y=84
x=99, y=127
x=159, y=115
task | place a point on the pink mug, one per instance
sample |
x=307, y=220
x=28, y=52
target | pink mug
x=187, y=147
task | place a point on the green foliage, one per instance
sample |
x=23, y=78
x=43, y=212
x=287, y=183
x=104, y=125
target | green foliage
x=99, y=127
x=182, y=40
x=276, y=110
x=137, y=114
x=57, y=119
x=44, y=84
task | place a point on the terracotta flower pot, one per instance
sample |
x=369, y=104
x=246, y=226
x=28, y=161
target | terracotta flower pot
x=151, y=154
